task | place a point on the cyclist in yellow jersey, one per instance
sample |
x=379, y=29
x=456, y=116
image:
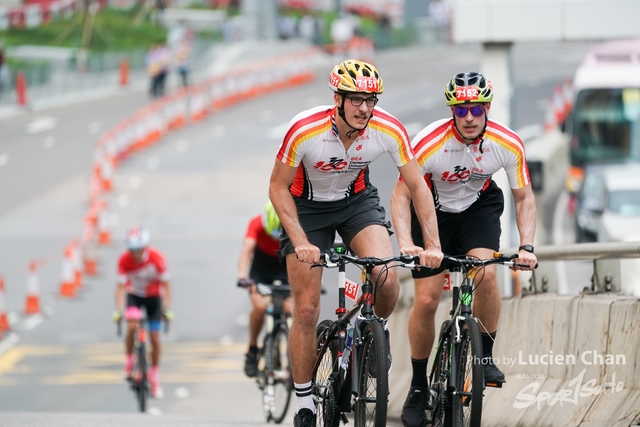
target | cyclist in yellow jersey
x=320, y=185
x=458, y=157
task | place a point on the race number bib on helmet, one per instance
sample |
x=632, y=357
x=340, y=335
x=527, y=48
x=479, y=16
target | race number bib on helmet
x=366, y=84
x=467, y=93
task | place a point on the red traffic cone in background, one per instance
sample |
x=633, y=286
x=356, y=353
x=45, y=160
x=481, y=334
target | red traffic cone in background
x=89, y=256
x=32, y=305
x=124, y=72
x=21, y=88
x=104, y=237
x=4, y=321
x=67, y=276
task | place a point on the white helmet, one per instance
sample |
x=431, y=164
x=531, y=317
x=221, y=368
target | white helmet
x=137, y=237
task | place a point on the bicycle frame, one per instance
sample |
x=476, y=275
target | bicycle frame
x=445, y=370
x=268, y=378
x=362, y=306
x=346, y=381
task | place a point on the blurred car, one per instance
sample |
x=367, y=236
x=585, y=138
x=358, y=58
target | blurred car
x=608, y=204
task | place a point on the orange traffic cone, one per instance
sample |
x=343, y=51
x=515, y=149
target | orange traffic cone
x=89, y=257
x=76, y=257
x=106, y=172
x=104, y=237
x=32, y=305
x=550, y=122
x=4, y=321
x=67, y=280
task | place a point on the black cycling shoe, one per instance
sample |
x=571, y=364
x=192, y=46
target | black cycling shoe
x=493, y=377
x=251, y=364
x=414, y=410
x=304, y=418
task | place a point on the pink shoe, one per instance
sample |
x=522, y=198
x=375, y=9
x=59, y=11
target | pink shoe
x=127, y=369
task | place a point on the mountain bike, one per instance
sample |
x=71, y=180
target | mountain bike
x=274, y=377
x=457, y=375
x=351, y=371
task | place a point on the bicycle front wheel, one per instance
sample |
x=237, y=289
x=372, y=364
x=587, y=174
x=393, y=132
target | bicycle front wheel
x=326, y=378
x=467, y=405
x=439, y=378
x=279, y=380
x=142, y=388
x=373, y=378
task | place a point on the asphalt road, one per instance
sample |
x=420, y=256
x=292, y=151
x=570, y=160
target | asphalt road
x=195, y=191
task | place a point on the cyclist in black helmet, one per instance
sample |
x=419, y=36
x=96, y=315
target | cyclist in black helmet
x=458, y=157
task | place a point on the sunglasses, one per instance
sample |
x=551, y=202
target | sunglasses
x=357, y=101
x=476, y=111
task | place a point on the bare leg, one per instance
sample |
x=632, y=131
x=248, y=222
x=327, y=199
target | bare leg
x=486, y=297
x=256, y=317
x=374, y=241
x=305, y=285
x=428, y=291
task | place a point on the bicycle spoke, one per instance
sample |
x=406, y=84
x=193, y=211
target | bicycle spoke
x=325, y=379
x=372, y=401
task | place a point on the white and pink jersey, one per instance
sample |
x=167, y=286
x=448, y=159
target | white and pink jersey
x=143, y=278
x=458, y=174
x=326, y=172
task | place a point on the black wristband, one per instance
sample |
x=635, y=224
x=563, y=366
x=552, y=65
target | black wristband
x=528, y=248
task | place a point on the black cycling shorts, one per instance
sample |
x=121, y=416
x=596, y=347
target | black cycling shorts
x=321, y=220
x=476, y=227
x=152, y=305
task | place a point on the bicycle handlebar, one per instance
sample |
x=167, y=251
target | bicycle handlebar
x=498, y=258
x=406, y=261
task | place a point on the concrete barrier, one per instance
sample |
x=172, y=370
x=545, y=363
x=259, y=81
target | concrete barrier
x=569, y=360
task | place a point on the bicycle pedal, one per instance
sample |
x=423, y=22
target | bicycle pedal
x=344, y=419
x=493, y=384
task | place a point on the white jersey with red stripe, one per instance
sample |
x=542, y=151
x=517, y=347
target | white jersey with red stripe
x=326, y=172
x=458, y=174
x=143, y=278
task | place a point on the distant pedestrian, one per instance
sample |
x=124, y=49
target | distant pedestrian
x=182, y=62
x=156, y=61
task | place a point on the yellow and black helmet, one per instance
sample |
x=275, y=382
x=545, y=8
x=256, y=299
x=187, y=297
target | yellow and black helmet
x=467, y=88
x=355, y=76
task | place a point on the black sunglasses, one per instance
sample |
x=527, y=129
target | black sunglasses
x=357, y=101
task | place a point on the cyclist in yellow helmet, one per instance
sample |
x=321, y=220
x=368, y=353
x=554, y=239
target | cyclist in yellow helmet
x=320, y=185
x=458, y=157
x=259, y=263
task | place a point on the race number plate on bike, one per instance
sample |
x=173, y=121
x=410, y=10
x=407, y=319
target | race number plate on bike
x=350, y=289
x=446, y=286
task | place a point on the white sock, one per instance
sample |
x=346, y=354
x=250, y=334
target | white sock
x=304, y=396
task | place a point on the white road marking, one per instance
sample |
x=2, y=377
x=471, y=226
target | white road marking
x=181, y=393
x=182, y=145
x=153, y=163
x=32, y=321
x=219, y=131
x=49, y=141
x=8, y=342
x=95, y=127
x=41, y=124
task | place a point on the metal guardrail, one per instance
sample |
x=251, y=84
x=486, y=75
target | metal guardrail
x=606, y=257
